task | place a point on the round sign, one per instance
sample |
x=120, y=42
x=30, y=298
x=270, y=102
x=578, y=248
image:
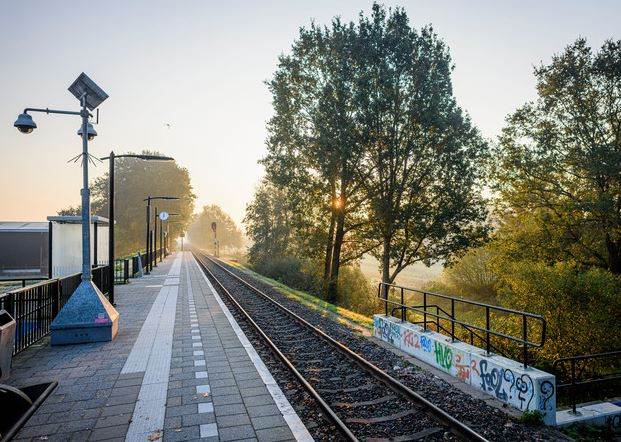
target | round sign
x=164, y=216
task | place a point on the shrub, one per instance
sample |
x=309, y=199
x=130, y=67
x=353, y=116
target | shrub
x=355, y=293
x=354, y=290
x=582, y=309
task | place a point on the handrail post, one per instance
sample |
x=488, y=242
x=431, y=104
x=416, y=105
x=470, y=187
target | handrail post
x=385, y=287
x=56, y=300
x=573, y=386
x=525, y=339
x=487, y=340
x=402, y=307
x=425, y=311
x=452, y=320
x=438, y=318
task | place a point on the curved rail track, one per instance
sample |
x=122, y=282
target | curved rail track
x=362, y=401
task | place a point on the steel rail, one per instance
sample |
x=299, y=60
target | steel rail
x=331, y=414
x=458, y=428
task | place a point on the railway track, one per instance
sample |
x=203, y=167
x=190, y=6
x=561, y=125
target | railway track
x=362, y=401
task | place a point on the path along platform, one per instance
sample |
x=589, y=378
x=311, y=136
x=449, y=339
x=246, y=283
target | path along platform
x=179, y=369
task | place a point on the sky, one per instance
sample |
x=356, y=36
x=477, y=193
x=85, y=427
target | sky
x=200, y=66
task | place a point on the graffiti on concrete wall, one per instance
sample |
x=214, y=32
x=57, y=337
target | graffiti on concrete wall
x=388, y=331
x=504, y=379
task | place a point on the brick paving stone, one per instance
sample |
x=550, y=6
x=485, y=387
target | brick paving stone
x=236, y=433
x=263, y=422
x=89, y=375
x=212, y=390
x=109, y=432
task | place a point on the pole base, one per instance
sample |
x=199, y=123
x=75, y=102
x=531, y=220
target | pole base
x=86, y=317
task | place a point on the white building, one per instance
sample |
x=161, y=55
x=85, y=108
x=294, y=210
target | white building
x=26, y=248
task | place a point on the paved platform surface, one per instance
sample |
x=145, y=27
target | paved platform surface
x=179, y=369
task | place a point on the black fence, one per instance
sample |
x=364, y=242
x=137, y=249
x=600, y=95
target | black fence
x=577, y=375
x=121, y=271
x=35, y=306
x=480, y=324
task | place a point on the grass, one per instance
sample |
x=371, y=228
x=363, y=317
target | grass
x=341, y=314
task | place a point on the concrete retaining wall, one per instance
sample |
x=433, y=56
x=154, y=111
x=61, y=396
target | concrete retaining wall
x=505, y=379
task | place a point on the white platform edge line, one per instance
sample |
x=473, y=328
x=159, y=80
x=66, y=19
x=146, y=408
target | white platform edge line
x=297, y=427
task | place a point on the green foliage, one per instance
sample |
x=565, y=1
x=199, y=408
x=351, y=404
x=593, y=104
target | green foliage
x=228, y=234
x=579, y=306
x=368, y=152
x=134, y=180
x=532, y=417
x=473, y=276
x=290, y=271
x=354, y=291
x=560, y=158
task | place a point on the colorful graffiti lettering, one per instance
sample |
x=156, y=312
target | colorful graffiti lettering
x=425, y=343
x=409, y=338
x=547, y=391
x=463, y=370
x=444, y=355
x=506, y=385
x=520, y=387
x=473, y=367
x=492, y=381
x=388, y=332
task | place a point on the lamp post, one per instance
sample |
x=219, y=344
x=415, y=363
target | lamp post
x=111, y=257
x=87, y=316
x=162, y=227
x=149, y=236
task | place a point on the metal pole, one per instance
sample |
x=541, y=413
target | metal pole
x=86, y=199
x=161, y=240
x=111, y=228
x=148, y=233
x=155, y=236
x=49, y=251
x=95, y=241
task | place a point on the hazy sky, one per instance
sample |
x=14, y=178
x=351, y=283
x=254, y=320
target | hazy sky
x=200, y=66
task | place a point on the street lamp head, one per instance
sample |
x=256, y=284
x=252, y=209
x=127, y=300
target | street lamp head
x=90, y=131
x=24, y=123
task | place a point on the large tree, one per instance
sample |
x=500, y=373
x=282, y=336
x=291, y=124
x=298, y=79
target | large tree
x=134, y=180
x=423, y=159
x=367, y=138
x=560, y=159
x=314, y=145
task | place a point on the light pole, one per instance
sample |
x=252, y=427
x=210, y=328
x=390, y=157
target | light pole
x=113, y=157
x=87, y=316
x=149, y=236
x=166, y=246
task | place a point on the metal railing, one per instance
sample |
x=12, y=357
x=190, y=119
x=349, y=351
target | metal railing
x=578, y=372
x=35, y=306
x=443, y=318
x=121, y=271
x=19, y=281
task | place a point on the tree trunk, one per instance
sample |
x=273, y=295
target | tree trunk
x=386, y=261
x=336, y=254
x=614, y=255
x=328, y=257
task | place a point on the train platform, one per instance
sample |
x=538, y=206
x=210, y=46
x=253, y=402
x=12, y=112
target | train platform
x=180, y=369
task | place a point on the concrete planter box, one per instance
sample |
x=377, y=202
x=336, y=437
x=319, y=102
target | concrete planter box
x=525, y=389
